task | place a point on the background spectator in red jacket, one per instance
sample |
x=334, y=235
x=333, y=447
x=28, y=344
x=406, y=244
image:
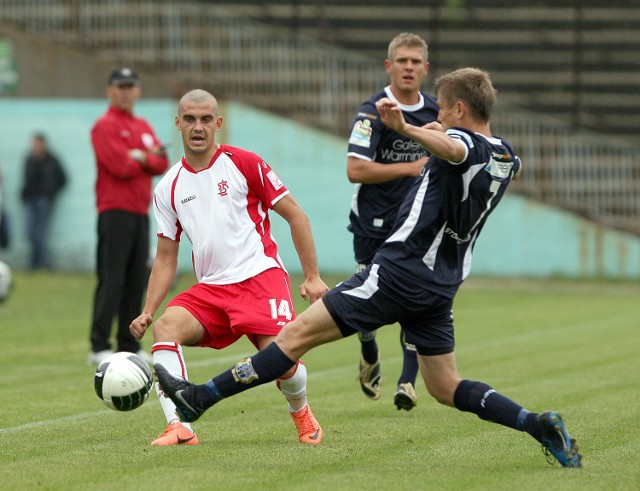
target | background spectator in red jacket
x=128, y=154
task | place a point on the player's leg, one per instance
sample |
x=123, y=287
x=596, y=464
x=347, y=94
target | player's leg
x=405, y=396
x=293, y=385
x=369, y=374
x=369, y=368
x=315, y=326
x=358, y=303
x=445, y=385
x=176, y=327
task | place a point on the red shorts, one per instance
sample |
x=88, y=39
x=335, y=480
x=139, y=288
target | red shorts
x=258, y=305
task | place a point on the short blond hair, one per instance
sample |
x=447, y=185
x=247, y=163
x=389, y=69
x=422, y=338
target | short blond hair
x=471, y=85
x=408, y=40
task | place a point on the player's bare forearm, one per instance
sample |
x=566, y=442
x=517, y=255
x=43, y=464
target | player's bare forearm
x=431, y=137
x=370, y=172
x=161, y=280
x=313, y=287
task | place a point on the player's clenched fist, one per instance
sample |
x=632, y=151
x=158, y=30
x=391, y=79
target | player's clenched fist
x=140, y=324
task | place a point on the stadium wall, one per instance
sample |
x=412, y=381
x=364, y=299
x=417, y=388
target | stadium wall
x=522, y=238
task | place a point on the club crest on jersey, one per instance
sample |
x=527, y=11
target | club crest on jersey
x=361, y=134
x=275, y=181
x=223, y=188
x=243, y=371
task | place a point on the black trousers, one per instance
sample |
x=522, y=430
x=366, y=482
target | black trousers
x=123, y=252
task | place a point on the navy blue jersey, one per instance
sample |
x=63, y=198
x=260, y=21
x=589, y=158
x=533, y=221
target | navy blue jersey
x=374, y=207
x=431, y=244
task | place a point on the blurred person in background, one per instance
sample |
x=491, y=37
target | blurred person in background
x=5, y=270
x=128, y=155
x=5, y=230
x=383, y=163
x=44, y=178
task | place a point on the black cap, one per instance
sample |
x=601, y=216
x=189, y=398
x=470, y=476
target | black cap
x=124, y=76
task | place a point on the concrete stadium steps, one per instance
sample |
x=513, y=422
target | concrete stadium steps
x=532, y=51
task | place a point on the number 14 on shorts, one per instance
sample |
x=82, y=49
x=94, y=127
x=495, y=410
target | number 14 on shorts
x=280, y=309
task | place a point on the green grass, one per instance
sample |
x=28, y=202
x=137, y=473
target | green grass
x=547, y=344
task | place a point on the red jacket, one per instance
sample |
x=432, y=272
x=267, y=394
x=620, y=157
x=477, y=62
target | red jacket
x=122, y=183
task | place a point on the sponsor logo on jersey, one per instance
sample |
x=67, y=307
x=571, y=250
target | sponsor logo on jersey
x=187, y=199
x=454, y=235
x=361, y=134
x=403, y=151
x=243, y=371
x=275, y=180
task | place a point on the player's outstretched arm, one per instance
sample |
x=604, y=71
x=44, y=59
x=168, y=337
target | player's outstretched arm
x=313, y=287
x=431, y=137
x=161, y=280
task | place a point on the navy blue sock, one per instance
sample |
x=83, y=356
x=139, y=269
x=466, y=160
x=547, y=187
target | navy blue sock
x=369, y=346
x=263, y=367
x=482, y=400
x=409, y=363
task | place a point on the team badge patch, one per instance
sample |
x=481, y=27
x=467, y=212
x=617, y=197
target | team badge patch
x=275, y=180
x=243, y=371
x=500, y=165
x=361, y=134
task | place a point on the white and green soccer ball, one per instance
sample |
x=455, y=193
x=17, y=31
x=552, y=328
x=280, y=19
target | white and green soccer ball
x=123, y=381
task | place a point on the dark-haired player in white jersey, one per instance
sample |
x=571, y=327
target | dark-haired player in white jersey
x=384, y=163
x=416, y=273
x=220, y=196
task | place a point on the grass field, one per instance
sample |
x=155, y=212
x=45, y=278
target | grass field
x=573, y=347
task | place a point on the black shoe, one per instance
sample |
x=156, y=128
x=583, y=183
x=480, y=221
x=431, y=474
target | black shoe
x=180, y=392
x=557, y=442
x=405, y=397
x=370, y=379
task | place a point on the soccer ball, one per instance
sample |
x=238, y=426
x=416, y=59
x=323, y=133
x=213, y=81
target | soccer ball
x=5, y=281
x=123, y=381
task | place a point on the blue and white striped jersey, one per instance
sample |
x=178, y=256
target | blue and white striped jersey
x=431, y=244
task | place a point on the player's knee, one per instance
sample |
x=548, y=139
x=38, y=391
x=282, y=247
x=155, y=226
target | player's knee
x=164, y=331
x=442, y=391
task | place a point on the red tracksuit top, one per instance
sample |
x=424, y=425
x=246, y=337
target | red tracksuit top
x=122, y=183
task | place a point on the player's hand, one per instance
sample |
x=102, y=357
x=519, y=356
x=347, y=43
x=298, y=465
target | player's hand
x=434, y=125
x=140, y=324
x=313, y=288
x=390, y=114
x=417, y=166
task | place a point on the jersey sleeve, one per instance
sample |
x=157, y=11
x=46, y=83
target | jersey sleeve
x=366, y=131
x=261, y=178
x=467, y=141
x=164, y=211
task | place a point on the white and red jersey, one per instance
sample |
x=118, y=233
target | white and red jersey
x=223, y=210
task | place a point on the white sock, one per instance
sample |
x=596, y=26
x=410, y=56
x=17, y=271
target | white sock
x=294, y=388
x=169, y=355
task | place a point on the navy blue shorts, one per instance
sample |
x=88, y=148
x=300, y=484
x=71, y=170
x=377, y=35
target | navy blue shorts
x=368, y=301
